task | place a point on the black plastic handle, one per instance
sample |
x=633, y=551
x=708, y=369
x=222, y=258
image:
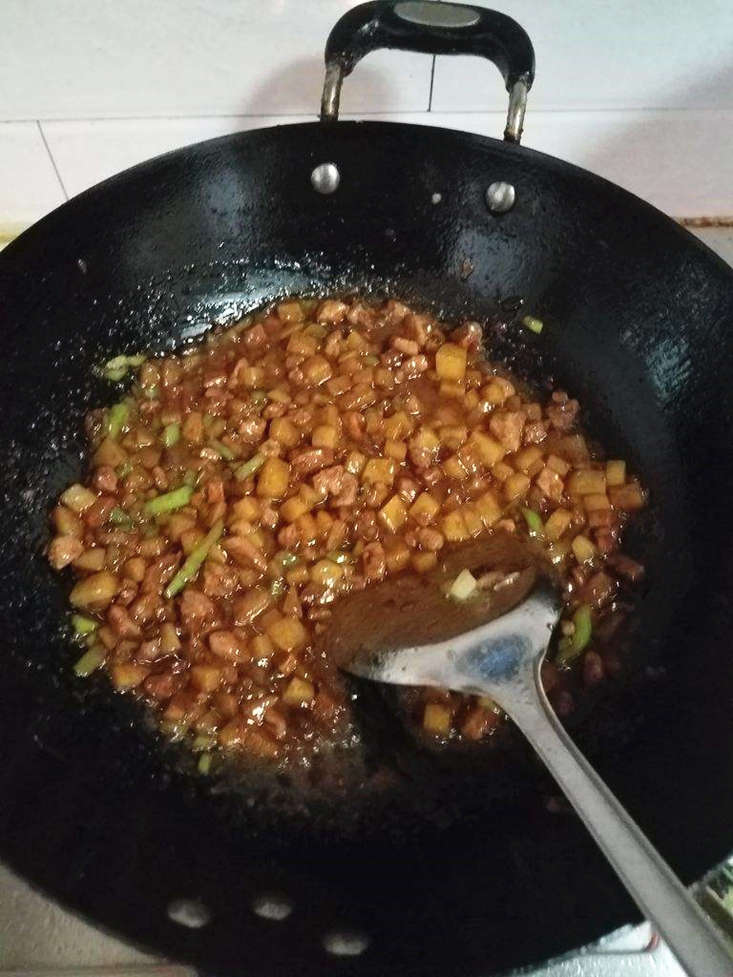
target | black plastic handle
x=431, y=27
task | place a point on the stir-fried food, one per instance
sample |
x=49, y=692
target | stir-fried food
x=244, y=485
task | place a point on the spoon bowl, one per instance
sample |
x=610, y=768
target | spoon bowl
x=498, y=653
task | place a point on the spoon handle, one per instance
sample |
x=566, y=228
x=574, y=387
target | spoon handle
x=647, y=877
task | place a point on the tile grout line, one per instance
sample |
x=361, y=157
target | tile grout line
x=53, y=161
x=432, y=80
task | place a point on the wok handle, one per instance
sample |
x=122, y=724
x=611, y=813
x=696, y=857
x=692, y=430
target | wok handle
x=649, y=880
x=431, y=27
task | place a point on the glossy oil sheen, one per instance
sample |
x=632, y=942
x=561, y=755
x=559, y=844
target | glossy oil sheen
x=638, y=318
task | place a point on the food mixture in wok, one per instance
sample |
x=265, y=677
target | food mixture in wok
x=243, y=486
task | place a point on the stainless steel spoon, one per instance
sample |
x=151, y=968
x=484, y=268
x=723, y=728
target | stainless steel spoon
x=502, y=659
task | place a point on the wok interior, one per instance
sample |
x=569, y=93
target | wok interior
x=469, y=869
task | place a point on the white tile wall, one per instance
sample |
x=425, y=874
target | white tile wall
x=639, y=92
x=607, y=54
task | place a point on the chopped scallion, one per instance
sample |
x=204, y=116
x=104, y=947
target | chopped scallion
x=116, y=419
x=340, y=556
x=118, y=366
x=258, y=397
x=533, y=324
x=118, y=517
x=83, y=625
x=204, y=763
x=170, y=501
x=226, y=452
x=248, y=469
x=193, y=563
x=570, y=647
x=278, y=587
x=171, y=435
x=90, y=661
x=533, y=520
x=285, y=558
x=124, y=469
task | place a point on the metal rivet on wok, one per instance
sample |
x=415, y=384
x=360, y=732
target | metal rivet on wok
x=272, y=907
x=345, y=944
x=325, y=178
x=500, y=197
x=189, y=912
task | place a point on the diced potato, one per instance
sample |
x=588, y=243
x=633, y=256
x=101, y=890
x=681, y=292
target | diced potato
x=436, y=719
x=501, y=471
x=78, y=498
x=298, y=575
x=169, y=640
x=110, y=453
x=262, y=647
x=526, y=459
x=464, y=586
x=128, y=675
x=247, y=508
x=454, y=526
x=291, y=311
x=583, y=549
x=454, y=468
x=355, y=462
x=379, y=470
x=450, y=362
x=488, y=508
x=557, y=523
x=398, y=426
x=594, y=502
x=489, y=450
x=424, y=562
x=615, y=472
x=471, y=400
x=494, y=393
x=426, y=440
x=300, y=343
x=397, y=554
x=308, y=528
x=284, y=432
x=395, y=449
x=586, y=481
x=205, y=678
x=67, y=523
x=326, y=573
x=628, y=497
x=516, y=486
x=393, y=513
x=272, y=481
x=287, y=633
x=92, y=560
x=299, y=692
x=472, y=519
x=424, y=508
x=316, y=370
x=96, y=591
x=453, y=435
x=452, y=389
x=558, y=464
x=324, y=436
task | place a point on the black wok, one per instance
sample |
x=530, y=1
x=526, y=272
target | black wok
x=468, y=871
